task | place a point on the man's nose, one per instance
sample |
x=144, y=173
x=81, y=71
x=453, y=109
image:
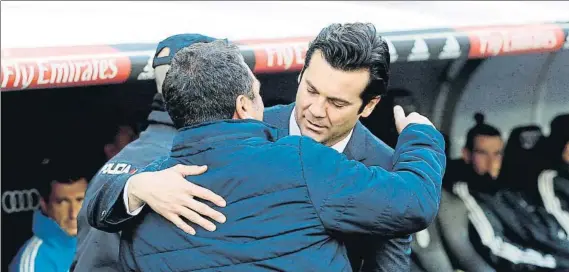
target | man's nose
x=74, y=210
x=318, y=109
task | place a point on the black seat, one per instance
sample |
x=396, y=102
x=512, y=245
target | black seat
x=523, y=159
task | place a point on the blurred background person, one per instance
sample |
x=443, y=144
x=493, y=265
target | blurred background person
x=55, y=224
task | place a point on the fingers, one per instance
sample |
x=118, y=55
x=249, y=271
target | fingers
x=181, y=224
x=204, y=209
x=206, y=194
x=196, y=219
x=398, y=113
x=189, y=170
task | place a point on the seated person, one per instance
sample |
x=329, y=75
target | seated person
x=477, y=170
x=502, y=226
x=553, y=183
x=55, y=225
x=287, y=199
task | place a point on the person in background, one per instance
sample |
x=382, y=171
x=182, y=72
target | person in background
x=553, y=183
x=485, y=217
x=53, y=245
x=121, y=136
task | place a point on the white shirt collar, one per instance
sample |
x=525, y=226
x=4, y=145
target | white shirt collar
x=294, y=130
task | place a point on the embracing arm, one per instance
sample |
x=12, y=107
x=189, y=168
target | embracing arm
x=107, y=198
x=353, y=198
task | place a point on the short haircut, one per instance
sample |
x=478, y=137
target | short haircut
x=204, y=81
x=480, y=129
x=59, y=171
x=354, y=46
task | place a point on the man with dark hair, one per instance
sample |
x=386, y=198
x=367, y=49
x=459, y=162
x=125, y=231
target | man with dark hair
x=335, y=90
x=55, y=225
x=345, y=75
x=315, y=196
x=484, y=149
x=487, y=220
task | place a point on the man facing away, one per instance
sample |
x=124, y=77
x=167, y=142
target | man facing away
x=335, y=90
x=53, y=245
x=290, y=201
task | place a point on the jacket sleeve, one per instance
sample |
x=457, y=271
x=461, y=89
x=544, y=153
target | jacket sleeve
x=103, y=199
x=32, y=257
x=352, y=198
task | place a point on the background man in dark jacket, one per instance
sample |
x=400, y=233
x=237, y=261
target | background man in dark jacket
x=333, y=94
x=294, y=220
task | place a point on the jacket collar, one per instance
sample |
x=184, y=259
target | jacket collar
x=281, y=118
x=356, y=147
x=48, y=230
x=195, y=139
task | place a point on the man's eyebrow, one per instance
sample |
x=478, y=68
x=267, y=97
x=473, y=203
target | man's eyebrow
x=336, y=99
x=311, y=86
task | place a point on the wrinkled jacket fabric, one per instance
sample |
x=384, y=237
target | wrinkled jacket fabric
x=289, y=201
x=380, y=253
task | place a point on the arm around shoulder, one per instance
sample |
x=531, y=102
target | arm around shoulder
x=353, y=198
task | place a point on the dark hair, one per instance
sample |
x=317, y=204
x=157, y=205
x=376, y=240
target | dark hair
x=204, y=82
x=59, y=171
x=354, y=46
x=480, y=129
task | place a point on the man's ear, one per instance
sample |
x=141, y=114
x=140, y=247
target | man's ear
x=43, y=205
x=243, y=107
x=368, y=109
x=466, y=154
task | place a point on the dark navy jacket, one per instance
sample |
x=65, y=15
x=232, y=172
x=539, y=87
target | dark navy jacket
x=98, y=250
x=379, y=254
x=289, y=202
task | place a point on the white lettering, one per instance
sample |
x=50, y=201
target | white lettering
x=18, y=76
x=27, y=77
x=41, y=73
x=119, y=168
x=110, y=65
x=286, y=55
x=271, y=52
x=7, y=72
x=497, y=42
x=59, y=73
x=87, y=73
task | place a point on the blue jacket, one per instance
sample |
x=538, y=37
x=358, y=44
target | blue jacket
x=51, y=249
x=381, y=254
x=103, y=207
x=290, y=201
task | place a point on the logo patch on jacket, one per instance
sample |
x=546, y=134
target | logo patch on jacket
x=117, y=169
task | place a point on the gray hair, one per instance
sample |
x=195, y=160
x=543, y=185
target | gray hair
x=204, y=81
